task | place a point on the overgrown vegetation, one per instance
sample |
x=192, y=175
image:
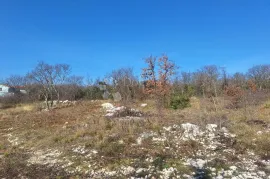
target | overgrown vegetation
x=161, y=83
x=72, y=132
x=180, y=102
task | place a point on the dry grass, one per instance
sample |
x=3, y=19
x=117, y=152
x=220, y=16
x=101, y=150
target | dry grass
x=84, y=125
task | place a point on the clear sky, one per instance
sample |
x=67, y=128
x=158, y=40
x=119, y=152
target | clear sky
x=96, y=36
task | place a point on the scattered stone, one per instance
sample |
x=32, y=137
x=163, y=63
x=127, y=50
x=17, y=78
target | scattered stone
x=211, y=127
x=196, y=163
x=46, y=157
x=123, y=113
x=80, y=150
x=65, y=125
x=127, y=170
x=66, y=101
x=234, y=168
x=210, y=160
x=191, y=131
x=167, y=128
x=140, y=170
x=107, y=106
x=168, y=172
x=13, y=140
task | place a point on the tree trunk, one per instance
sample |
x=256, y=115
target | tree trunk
x=47, y=102
x=215, y=89
x=58, y=97
x=203, y=92
x=51, y=96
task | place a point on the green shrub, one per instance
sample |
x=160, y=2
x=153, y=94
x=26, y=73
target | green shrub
x=189, y=90
x=179, y=102
x=93, y=92
x=159, y=162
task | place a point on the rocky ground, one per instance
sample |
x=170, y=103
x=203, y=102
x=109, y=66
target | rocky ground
x=181, y=150
x=212, y=156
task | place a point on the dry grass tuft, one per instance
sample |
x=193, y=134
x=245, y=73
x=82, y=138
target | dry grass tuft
x=84, y=125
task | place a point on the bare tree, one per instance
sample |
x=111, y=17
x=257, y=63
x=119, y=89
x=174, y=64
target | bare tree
x=41, y=76
x=48, y=76
x=238, y=79
x=200, y=80
x=16, y=81
x=224, y=82
x=212, y=74
x=73, y=87
x=124, y=81
x=184, y=81
x=186, y=77
x=62, y=71
x=261, y=75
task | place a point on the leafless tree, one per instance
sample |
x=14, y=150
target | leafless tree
x=212, y=74
x=49, y=76
x=62, y=72
x=16, y=81
x=74, y=84
x=183, y=81
x=199, y=80
x=238, y=79
x=261, y=75
x=224, y=78
x=186, y=77
x=125, y=82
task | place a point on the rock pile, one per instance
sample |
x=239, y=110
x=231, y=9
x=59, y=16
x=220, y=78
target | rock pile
x=58, y=104
x=122, y=112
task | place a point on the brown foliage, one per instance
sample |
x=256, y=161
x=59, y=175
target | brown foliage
x=158, y=86
x=235, y=94
x=252, y=86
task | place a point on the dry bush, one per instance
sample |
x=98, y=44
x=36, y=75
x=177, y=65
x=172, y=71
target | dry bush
x=263, y=146
x=249, y=139
x=235, y=95
x=111, y=148
x=252, y=86
x=257, y=98
x=11, y=101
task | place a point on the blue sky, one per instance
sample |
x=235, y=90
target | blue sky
x=97, y=36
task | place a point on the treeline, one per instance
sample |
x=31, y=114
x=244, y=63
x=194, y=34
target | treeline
x=212, y=80
x=161, y=81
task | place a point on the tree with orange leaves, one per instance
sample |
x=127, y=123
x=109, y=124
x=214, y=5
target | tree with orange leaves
x=157, y=83
x=252, y=86
x=149, y=75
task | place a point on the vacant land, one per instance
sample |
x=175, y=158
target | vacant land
x=86, y=140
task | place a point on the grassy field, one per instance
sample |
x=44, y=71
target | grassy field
x=76, y=141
